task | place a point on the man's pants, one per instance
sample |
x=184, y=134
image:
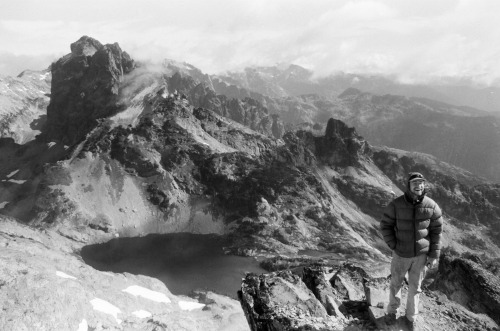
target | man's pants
x=415, y=266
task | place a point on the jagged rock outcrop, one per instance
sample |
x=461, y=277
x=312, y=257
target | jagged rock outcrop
x=341, y=146
x=281, y=301
x=318, y=301
x=246, y=111
x=85, y=88
x=465, y=281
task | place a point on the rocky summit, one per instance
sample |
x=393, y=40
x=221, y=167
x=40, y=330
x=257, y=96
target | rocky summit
x=129, y=149
x=85, y=85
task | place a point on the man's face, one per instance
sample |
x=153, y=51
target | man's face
x=417, y=187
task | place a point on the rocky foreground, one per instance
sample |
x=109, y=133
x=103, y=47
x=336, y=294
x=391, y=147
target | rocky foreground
x=346, y=297
x=45, y=285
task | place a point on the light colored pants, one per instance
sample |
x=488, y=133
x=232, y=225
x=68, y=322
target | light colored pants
x=415, y=266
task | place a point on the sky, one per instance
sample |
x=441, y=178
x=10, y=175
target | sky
x=414, y=41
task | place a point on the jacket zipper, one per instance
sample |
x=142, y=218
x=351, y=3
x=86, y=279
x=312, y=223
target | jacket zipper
x=414, y=230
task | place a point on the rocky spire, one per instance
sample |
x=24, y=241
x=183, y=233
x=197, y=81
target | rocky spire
x=341, y=145
x=85, y=88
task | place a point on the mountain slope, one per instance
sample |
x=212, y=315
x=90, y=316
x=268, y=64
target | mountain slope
x=23, y=105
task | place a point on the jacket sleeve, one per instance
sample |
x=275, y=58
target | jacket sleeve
x=435, y=230
x=388, y=225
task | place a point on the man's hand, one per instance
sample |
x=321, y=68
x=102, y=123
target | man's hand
x=431, y=262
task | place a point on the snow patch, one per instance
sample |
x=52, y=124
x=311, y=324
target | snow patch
x=51, y=144
x=107, y=308
x=142, y=313
x=16, y=181
x=147, y=294
x=83, y=326
x=63, y=275
x=3, y=204
x=12, y=173
x=189, y=305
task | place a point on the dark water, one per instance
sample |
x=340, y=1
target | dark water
x=183, y=261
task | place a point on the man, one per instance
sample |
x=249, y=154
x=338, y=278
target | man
x=411, y=227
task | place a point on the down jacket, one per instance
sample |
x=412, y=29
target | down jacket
x=412, y=228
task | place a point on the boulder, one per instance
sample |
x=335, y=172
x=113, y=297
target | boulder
x=281, y=301
x=377, y=292
x=348, y=281
x=470, y=285
x=317, y=279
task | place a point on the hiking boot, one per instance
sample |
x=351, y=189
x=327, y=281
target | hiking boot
x=390, y=319
x=412, y=325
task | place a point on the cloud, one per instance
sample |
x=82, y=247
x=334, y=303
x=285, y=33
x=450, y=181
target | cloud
x=414, y=40
x=13, y=65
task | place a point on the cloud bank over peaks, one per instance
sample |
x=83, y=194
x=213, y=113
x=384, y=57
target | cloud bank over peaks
x=415, y=41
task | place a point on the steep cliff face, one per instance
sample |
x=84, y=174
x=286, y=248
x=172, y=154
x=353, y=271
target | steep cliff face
x=85, y=87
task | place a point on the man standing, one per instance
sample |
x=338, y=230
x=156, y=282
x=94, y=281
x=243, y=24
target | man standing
x=411, y=227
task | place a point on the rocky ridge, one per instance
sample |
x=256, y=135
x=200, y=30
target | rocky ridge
x=457, y=134
x=246, y=111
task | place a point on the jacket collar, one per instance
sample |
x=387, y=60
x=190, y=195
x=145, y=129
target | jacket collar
x=410, y=197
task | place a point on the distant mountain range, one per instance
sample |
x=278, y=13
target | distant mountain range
x=293, y=80
x=462, y=135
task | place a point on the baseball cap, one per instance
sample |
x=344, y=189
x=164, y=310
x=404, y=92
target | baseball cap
x=413, y=176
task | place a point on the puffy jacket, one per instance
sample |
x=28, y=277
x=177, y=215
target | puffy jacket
x=412, y=228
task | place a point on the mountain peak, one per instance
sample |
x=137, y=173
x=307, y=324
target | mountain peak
x=336, y=127
x=86, y=46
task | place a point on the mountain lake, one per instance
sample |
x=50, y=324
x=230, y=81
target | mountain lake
x=182, y=261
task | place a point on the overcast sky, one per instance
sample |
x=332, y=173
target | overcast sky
x=415, y=40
